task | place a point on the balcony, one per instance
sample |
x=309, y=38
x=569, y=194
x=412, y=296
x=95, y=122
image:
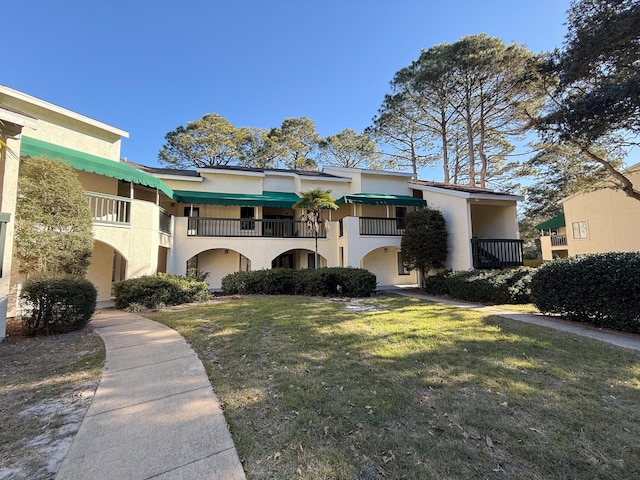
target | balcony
x=393, y=227
x=109, y=209
x=558, y=240
x=496, y=253
x=250, y=227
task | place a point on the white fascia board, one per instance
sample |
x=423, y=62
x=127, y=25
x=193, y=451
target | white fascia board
x=18, y=119
x=230, y=172
x=473, y=196
x=10, y=92
x=370, y=172
x=308, y=177
x=184, y=178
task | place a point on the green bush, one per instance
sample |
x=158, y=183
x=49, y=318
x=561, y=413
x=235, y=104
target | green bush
x=489, y=286
x=152, y=291
x=436, y=284
x=353, y=282
x=57, y=304
x=600, y=289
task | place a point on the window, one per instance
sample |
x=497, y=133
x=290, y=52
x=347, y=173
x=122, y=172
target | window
x=247, y=213
x=579, y=229
x=192, y=266
x=311, y=260
x=192, y=222
x=401, y=213
x=402, y=266
x=245, y=264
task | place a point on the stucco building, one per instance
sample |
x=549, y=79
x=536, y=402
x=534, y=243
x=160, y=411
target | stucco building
x=226, y=219
x=602, y=220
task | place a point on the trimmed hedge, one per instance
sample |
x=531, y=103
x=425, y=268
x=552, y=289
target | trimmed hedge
x=600, y=289
x=353, y=282
x=152, y=291
x=58, y=304
x=484, y=286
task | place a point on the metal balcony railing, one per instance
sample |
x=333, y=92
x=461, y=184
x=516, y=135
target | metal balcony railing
x=250, y=227
x=496, y=253
x=382, y=226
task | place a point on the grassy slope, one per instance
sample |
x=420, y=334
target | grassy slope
x=413, y=390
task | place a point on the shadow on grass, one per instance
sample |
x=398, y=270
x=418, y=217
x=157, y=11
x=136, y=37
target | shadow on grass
x=414, y=390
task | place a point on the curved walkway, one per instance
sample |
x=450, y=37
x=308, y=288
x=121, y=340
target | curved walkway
x=626, y=340
x=154, y=414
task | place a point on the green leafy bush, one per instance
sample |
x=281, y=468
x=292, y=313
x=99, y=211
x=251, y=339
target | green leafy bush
x=600, y=289
x=484, y=286
x=353, y=282
x=436, y=284
x=57, y=304
x=152, y=291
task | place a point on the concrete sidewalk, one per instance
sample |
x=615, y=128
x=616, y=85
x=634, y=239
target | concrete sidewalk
x=626, y=340
x=154, y=414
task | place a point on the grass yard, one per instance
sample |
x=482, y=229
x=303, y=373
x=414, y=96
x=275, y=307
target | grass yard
x=46, y=386
x=394, y=388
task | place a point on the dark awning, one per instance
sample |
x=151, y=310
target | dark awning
x=382, y=199
x=264, y=199
x=555, y=222
x=91, y=163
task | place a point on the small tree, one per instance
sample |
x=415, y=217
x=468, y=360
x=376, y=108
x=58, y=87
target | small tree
x=424, y=242
x=314, y=201
x=53, y=219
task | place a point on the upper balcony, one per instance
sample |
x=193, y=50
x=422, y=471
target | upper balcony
x=251, y=227
x=112, y=210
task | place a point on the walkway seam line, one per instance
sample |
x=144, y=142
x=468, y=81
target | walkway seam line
x=190, y=463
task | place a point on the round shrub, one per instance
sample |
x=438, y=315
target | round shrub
x=57, y=304
x=152, y=291
x=510, y=285
x=600, y=289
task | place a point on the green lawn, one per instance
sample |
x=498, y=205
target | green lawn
x=391, y=388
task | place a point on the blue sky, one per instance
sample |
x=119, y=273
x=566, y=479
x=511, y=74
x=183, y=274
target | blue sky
x=148, y=67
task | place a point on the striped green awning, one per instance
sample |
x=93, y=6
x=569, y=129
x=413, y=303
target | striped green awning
x=382, y=199
x=264, y=199
x=31, y=147
x=555, y=222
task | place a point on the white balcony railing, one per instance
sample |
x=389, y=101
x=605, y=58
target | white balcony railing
x=109, y=208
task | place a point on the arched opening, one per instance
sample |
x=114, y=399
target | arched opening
x=298, y=259
x=387, y=265
x=107, y=267
x=215, y=264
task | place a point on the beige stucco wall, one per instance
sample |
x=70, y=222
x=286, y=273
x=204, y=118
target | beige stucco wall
x=59, y=129
x=612, y=220
x=9, y=165
x=457, y=216
x=384, y=265
x=494, y=219
x=138, y=243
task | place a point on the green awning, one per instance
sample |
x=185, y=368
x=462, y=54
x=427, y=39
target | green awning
x=265, y=199
x=91, y=163
x=382, y=199
x=555, y=222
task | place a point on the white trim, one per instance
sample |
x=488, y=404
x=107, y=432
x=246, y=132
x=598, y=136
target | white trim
x=302, y=176
x=369, y=172
x=186, y=178
x=230, y=172
x=18, y=119
x=10, y=92
x=469, y=195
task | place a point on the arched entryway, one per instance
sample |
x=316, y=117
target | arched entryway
x=107, y=267
x=387, y=265
x=298, y=259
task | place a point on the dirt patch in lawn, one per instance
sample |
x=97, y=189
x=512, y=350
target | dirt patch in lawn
x=46, y=386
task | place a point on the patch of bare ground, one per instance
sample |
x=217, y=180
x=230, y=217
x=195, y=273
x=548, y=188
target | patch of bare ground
x=46, y=386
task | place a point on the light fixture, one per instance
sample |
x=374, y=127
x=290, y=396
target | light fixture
x=386, y=249
x=226, y=252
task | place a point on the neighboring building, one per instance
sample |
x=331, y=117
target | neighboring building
x=603, y=220
x=226, y=219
